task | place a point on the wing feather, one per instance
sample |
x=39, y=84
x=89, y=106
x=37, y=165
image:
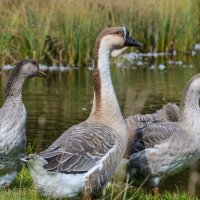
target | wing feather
x=79, y=148
x=154, y=134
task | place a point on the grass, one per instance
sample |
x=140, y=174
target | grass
x=23, y=189
x=63, y=32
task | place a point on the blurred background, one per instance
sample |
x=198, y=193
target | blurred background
x=60, y=35
x=63, y=32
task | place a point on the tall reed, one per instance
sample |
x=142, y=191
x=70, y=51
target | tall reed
x=64, y=31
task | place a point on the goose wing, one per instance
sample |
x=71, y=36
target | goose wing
x=138, y=120
x=154, y=134
x=169, y=112
x=79, y=149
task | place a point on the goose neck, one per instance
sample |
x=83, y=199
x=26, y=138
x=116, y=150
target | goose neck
x=14, y=87
x=105, y=104
x=190, y=110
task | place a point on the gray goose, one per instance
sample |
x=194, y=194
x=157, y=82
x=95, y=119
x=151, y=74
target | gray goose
x=85, y=156
x=169, y=112
x=165, y=148
x=13, y=122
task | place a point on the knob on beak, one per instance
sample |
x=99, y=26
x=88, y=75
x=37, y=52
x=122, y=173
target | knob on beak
x=129, y=42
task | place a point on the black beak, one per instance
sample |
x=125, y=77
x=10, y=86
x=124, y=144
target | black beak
x=41, y=73
x=130, y=42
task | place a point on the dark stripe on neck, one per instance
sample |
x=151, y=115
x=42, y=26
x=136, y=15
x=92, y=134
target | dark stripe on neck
x=96, y=75
x=97, y=88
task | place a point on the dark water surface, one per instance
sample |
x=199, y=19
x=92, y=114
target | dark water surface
x=65, y=98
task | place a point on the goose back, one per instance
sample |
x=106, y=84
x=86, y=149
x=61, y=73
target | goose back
x=81, y=148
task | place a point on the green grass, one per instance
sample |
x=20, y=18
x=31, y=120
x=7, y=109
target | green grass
x=64, y=31
x=23, y=189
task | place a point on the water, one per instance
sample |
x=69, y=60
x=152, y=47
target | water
x=65, y=98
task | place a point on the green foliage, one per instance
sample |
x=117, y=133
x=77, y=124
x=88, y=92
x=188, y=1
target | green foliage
x=62, y=32
x=23, y=189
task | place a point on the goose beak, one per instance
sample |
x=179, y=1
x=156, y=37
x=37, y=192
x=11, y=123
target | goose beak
x=41, y=73
x=130, y=42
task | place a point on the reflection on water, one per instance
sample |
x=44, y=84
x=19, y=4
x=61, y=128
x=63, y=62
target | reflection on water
x=64, y=99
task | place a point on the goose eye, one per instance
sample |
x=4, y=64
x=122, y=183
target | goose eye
x=118, y=33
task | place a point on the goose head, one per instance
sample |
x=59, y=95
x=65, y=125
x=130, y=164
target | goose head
x=24, y=69
x=28, y=68
x=116, y=39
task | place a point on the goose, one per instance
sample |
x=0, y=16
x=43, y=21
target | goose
x=169, y=112
x=165, y=148
x=13, y=121
x=84, y=158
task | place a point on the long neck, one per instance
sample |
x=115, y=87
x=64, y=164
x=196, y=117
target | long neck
x=14, y=87
x=105, y=105
x=190, y=111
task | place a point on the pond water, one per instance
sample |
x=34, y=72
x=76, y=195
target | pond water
x=65, y=98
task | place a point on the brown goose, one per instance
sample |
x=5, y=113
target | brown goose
x=85, y=157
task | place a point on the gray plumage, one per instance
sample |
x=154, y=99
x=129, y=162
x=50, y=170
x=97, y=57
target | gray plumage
x=169, y=112
x=80, y=149
x=165, y=148
x=161, y=150
x=153, y=134
x=13, y=122
x=83, y=158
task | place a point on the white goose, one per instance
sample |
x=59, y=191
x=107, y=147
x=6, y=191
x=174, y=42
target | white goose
x=84, y=157
x=166, y=148
x=13, y=122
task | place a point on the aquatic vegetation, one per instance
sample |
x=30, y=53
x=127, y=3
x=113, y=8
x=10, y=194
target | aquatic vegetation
x=63, y=32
